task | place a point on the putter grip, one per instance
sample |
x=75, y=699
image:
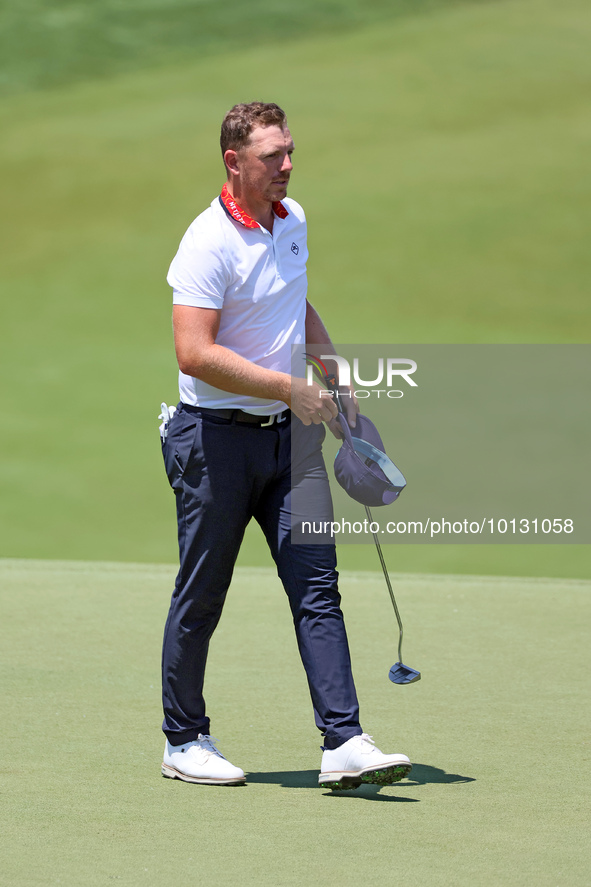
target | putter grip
x=331, y=383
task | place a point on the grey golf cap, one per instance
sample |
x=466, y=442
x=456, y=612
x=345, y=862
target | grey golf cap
x=362, y=468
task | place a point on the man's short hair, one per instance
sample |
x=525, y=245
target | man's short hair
x=240, y=121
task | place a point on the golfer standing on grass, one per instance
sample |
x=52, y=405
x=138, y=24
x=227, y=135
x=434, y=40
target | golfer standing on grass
x=239, y=285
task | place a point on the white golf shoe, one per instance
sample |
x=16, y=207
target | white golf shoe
x=200, y=761
x=358, y=760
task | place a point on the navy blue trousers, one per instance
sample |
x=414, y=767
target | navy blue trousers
x=224, y=473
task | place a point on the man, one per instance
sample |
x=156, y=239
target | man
x=239, y=294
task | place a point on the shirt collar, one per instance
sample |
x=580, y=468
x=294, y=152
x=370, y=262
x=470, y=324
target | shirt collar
x=239, y=215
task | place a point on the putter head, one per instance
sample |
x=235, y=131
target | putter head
x=403, y=674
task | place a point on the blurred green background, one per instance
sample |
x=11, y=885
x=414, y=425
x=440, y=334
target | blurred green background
x=443, y=162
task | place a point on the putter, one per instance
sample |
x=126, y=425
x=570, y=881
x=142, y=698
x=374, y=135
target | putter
x=399, y=673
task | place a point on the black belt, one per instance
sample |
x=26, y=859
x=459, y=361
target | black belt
x=240, y=417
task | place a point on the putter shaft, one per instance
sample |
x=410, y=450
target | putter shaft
x=388, y=583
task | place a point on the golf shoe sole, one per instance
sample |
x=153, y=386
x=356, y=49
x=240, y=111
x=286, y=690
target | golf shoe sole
x=351, y=779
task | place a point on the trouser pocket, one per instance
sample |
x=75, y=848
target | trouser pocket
x=180, y=445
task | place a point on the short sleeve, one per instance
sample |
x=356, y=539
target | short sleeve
x=199, y=274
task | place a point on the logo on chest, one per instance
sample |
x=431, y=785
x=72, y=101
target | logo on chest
x=295, y=248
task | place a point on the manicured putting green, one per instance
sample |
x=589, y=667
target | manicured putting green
x=498, y=729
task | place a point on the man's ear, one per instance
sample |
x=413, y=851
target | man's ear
x=231, y=161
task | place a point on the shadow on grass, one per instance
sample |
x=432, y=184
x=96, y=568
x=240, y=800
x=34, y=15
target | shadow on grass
x=422, y=774
x=287, y=778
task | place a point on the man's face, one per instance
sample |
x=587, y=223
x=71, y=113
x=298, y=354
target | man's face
x=265, y=164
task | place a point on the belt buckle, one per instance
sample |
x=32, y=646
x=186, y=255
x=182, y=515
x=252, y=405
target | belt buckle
x=269, y=422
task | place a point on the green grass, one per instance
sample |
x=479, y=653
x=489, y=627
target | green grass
x=497, y=728
x=443, y=161
x=48, y=43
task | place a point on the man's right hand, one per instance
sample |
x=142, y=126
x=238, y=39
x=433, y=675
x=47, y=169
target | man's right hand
x=312, y=404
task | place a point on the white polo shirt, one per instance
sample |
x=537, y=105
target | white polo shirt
x=228, y=261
